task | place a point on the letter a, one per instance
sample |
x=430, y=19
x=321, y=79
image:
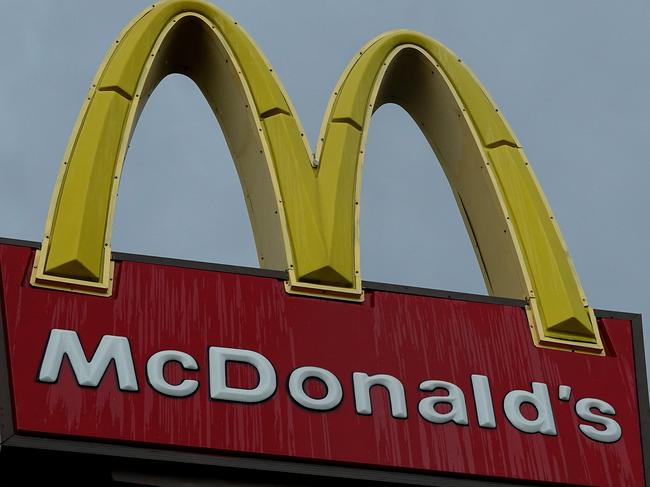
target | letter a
x=455, y=397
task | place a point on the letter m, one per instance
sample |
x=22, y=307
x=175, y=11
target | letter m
x=66, y=343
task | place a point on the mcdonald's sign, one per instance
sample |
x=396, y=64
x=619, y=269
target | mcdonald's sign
x=301, y=368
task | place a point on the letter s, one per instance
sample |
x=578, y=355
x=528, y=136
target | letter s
x=612, y=431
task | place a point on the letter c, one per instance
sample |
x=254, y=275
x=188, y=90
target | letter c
x=155, y=366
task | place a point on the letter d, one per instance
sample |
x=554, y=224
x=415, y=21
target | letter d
x=544, y=422
x=219, y=389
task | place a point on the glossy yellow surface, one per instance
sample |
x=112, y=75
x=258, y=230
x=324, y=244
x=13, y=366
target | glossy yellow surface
x=305, y=212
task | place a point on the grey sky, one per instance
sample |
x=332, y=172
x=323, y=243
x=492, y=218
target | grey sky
x=571, y=77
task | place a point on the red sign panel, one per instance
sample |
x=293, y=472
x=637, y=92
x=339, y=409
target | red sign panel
x=221, y=362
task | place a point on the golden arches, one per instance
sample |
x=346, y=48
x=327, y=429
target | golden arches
x=516, y=239
x=305, y=212
x=187, y=37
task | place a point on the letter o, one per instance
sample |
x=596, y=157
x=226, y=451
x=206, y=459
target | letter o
x=331, y=399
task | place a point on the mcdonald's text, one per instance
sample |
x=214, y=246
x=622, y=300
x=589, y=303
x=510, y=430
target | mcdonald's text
x=597, y=416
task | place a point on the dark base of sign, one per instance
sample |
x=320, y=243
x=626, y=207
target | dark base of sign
x=38, y=461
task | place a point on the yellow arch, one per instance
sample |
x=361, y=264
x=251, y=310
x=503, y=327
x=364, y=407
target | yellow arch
x=305, y=212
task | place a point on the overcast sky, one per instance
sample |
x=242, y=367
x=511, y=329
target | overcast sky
x=571, y=77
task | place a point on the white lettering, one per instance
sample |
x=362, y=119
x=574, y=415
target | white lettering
x=455, y=397
x=66, y=343
x=362, y=385
x=219, y=388
x=612, y=431
x=544, y=422
x=156, y=365
x=483, y=401
x=330, y=400
x=445, y=406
